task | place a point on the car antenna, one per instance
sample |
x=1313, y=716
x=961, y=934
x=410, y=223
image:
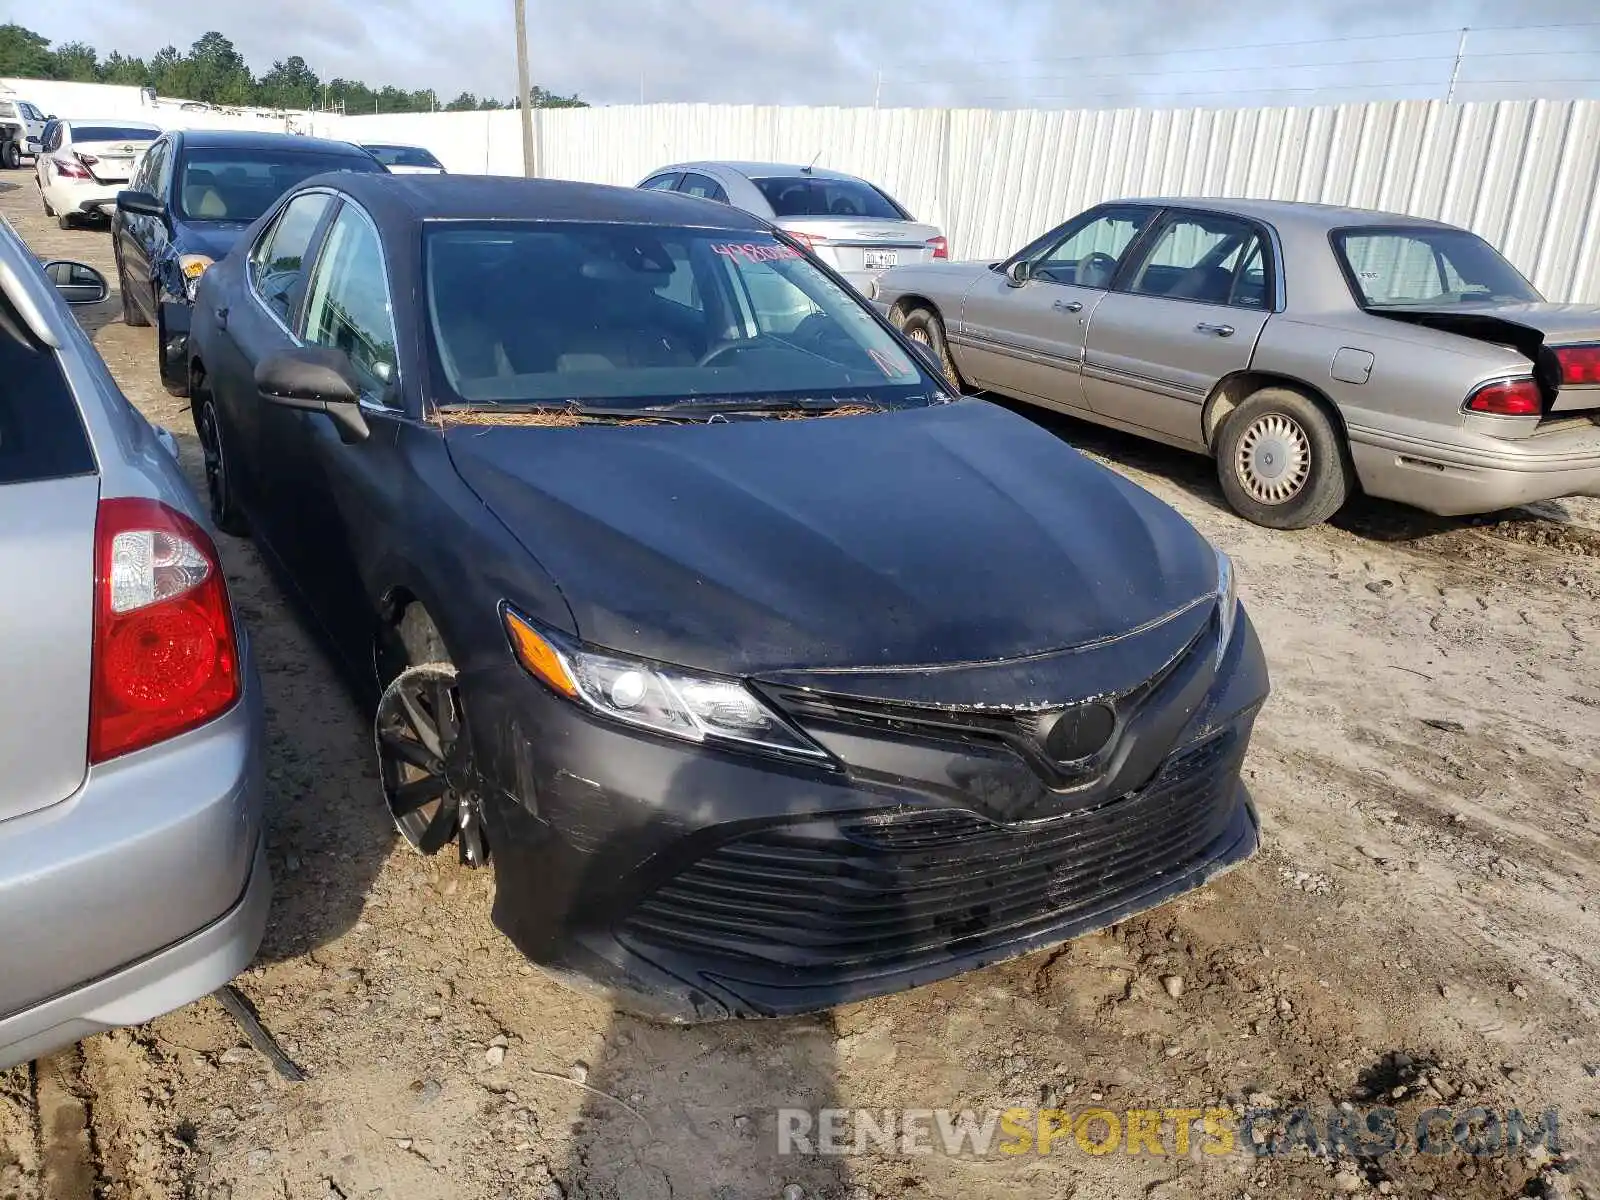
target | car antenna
x=806, y=170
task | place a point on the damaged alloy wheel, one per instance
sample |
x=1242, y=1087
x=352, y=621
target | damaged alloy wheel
x=424, y=762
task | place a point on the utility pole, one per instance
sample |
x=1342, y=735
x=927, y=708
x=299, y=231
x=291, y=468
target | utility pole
x=1455, y=71
x=524, y=87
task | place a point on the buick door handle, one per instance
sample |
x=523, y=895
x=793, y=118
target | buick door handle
x=1219, y=330
x=1068, y=306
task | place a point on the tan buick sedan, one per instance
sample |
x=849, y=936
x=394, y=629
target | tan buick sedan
x=1309, y=349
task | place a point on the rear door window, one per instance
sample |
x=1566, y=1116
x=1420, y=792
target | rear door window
x=664, y=182
x=804, y=196
x=41, y=432
x=277, y=262
x=703, y=186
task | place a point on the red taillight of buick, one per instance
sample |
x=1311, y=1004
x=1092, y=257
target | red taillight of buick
x=71, y=168
x=1579, y=364
x=1507, y=398
x=165, y=656
x=940, y=246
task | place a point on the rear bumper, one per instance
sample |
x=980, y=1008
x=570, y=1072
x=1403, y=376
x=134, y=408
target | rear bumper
x=144, y=890
x=167, y=980
x=89, y=199
x=1485, y=475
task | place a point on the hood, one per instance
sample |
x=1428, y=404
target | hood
x=960, y=533
x=212, y=238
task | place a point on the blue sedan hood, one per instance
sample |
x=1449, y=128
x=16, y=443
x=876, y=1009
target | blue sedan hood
x=960, y=533
x=211, y=238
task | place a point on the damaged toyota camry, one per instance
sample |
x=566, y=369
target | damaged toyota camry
x=767, y=672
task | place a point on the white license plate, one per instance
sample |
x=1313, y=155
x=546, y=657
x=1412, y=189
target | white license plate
x=880, y=260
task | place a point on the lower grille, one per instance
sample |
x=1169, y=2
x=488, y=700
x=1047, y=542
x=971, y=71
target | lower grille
x=864, y=894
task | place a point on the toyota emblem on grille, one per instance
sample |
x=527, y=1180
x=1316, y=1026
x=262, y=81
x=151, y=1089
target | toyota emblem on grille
x=1080, y=732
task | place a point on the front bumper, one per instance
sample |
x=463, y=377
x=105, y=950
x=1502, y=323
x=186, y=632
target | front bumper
x=145, y=890
x=690, y=885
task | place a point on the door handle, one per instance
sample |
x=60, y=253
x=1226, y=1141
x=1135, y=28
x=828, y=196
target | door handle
x=1068, y=306
x=1219, y=330
x=222, y=318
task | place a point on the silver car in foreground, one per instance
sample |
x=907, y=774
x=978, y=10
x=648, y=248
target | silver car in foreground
x=854, y=226
x=132, y=877
x=1310, y=349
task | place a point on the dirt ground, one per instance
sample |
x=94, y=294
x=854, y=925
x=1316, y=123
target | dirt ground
x=1421, y=929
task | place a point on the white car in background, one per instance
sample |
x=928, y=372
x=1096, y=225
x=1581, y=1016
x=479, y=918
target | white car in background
x=83, y=164
x=21, y=125
x=405, y=160
x=854, y=226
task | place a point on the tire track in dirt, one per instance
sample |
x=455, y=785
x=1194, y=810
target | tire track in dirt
x=69, y=1161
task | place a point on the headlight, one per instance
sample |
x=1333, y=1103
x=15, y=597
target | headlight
x=1227, y=603
x=193, y=266
x=678, y=703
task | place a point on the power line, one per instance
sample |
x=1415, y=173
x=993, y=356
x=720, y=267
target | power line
x=1179, y=50
x=1341, y=87
x=1292, y=66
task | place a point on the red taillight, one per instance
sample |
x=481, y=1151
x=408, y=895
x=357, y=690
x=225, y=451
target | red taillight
x=87, y=160
x=71, y=168
x=1579, y=364
x=1507, y=398
x=940, y=246
x=809, y=240
x=165, y=659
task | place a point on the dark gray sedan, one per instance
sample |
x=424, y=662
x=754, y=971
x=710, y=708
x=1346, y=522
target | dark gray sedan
x=1309, y=349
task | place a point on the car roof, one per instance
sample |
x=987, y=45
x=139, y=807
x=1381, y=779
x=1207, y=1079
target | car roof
x=1310, y=217
x=249, y=139
x=495, y=197
x=761, y=170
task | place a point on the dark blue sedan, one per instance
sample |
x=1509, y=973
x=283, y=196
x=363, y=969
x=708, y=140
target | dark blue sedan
x=192, y=196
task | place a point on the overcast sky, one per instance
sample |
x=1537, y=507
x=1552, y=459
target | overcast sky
x=1057, y=53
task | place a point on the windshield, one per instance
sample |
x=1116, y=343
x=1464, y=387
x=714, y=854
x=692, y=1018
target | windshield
x=643, y=316
x=403, y=156
x=1396, y=267
x=114, y=133
x=804, y=196
x=240, y=184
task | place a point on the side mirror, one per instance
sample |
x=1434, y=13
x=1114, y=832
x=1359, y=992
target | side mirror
x=78, y=283
x=141, y=204
x=315, y=379
x=1019, y=272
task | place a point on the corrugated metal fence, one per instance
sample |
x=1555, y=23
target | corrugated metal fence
x=1524, y=174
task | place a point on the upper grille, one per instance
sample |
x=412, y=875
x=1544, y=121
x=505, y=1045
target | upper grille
x=856, y=895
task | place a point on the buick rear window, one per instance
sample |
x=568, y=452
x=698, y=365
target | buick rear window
x=1403, y=267
x=803, y=196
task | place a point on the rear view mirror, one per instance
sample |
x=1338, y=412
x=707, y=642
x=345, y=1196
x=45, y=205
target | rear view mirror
x=1019, y=272
x=141, y=204
x=77, y=282
x=315, y=379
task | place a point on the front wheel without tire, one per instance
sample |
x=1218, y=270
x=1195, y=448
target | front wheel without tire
x=425, y=763
x=1281, y=462
x=924, y=326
